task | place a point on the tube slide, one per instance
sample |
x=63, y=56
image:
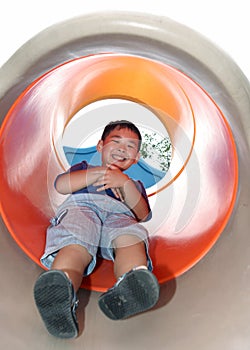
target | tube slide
x=201, y=138
x=205, y=109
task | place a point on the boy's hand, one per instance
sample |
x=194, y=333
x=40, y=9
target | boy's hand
x=114, y=179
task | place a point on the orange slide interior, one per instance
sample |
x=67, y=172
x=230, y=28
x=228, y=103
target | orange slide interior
x=192, y=203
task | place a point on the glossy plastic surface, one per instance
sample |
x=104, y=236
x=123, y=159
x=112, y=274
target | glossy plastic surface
x=191, y=205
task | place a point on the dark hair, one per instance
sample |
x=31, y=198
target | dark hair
x=121, y=124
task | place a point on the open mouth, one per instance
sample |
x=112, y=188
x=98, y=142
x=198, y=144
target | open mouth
x=118, y=158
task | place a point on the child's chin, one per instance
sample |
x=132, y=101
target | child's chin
x=119, y=165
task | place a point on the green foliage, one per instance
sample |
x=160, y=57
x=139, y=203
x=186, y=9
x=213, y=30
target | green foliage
x=157, y=150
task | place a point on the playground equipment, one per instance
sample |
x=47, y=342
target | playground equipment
x=214, y=112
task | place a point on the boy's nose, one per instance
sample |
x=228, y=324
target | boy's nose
x=122, y=148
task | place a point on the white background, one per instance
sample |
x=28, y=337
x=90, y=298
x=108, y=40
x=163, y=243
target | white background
x=225, y=22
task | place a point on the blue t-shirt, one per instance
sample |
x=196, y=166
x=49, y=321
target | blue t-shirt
x=92, y=189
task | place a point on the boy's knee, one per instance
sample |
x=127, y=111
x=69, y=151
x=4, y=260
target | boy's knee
x=126, y=241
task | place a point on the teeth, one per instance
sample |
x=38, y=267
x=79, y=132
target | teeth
x=117, y=157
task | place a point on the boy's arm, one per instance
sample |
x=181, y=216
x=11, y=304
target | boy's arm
x=135, y=200
x=73, y=181
x=114, y=178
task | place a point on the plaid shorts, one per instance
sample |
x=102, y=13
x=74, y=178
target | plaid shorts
x=93, y=221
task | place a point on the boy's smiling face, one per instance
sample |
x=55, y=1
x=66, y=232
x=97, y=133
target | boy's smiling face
x=120, y=148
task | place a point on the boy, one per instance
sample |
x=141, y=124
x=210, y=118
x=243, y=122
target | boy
x=101, y=216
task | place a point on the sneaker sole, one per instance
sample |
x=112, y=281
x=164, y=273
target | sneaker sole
x=53, y=297
x=137, y=292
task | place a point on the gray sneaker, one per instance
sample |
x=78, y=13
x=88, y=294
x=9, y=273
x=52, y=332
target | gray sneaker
x=56, y=302
x=135, y=292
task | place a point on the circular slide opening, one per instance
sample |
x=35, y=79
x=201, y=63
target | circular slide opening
x=84, y=130
x=191, y=203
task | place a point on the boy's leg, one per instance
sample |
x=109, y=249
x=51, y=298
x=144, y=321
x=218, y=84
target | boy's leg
x=129, y=253
x=137, y=289
x=55, y=291
x=77, y=227
x=73, y=260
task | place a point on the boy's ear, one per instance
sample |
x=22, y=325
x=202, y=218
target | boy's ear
x=99, y=146
x=137, y=158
